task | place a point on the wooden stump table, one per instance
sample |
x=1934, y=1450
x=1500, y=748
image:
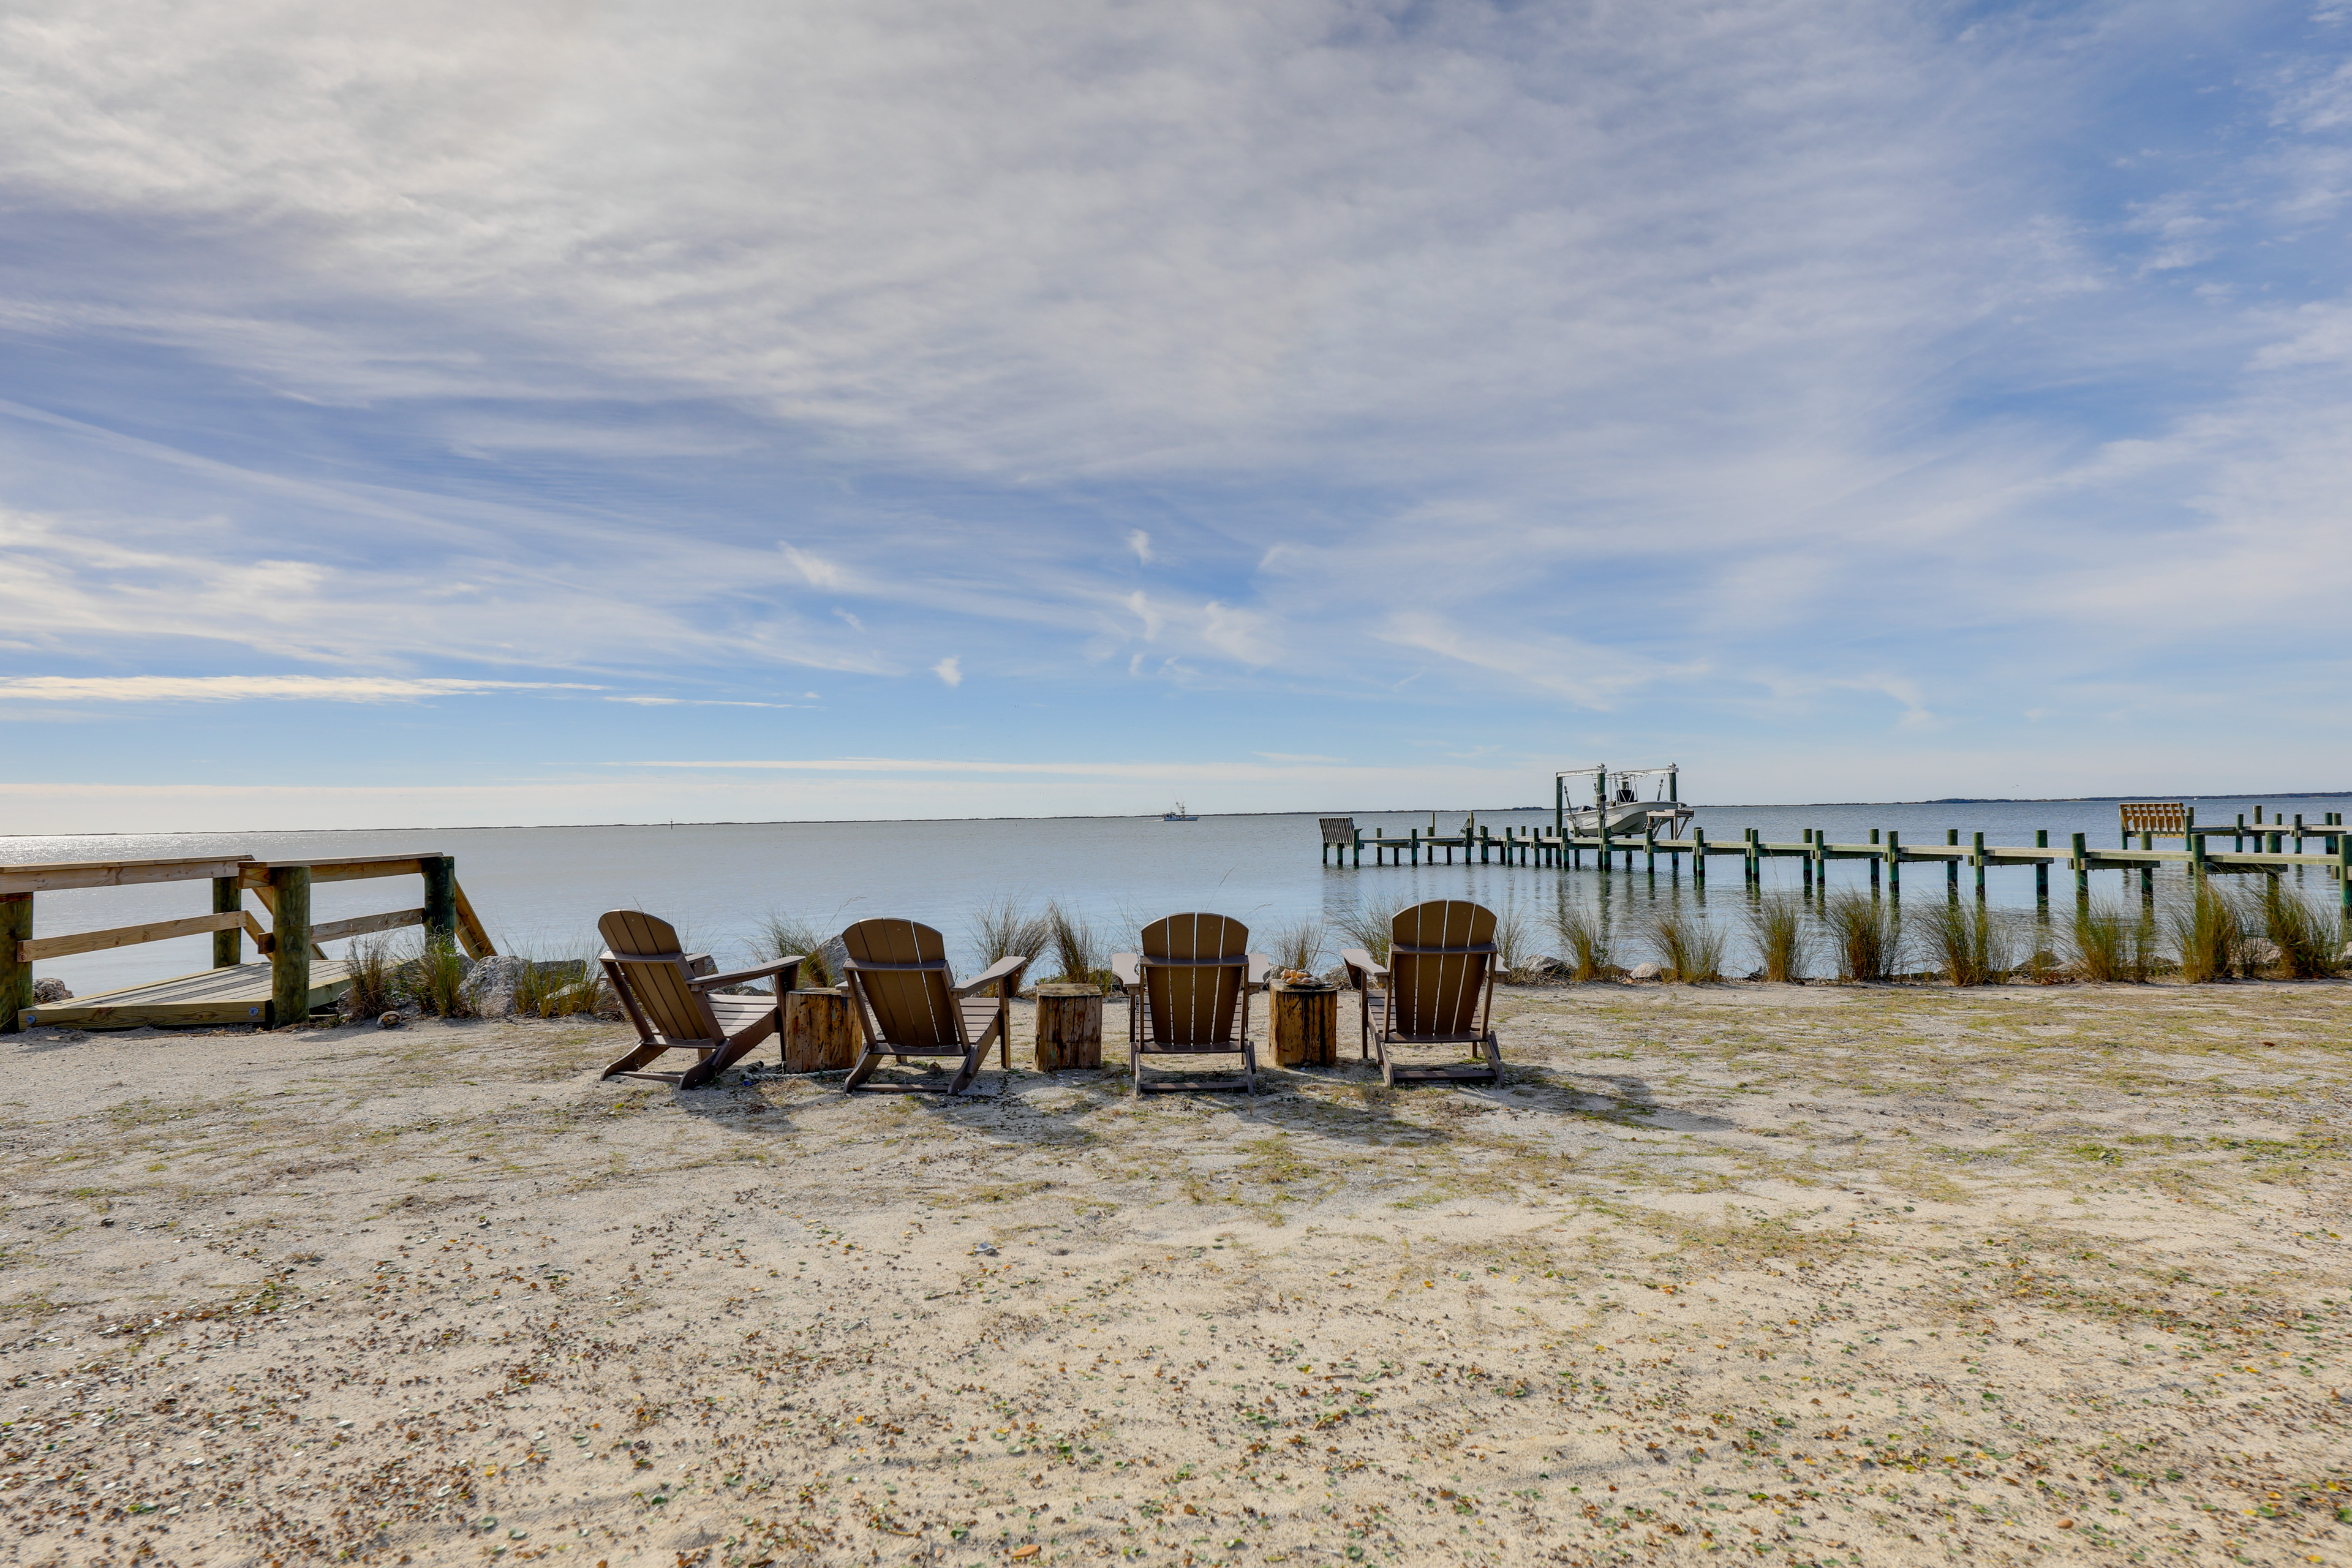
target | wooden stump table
x=1069, y=1025
x=819, y=1033
x=1306, y=1023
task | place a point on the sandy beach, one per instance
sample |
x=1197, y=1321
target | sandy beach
x=1739, y=1273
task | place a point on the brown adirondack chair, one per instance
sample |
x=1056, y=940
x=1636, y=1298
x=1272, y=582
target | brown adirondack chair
x=908, y=1004
x=1436, y=989
x=673, y=1007
x=1188, y=995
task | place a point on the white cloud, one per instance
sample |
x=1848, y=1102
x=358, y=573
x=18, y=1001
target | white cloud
x=1140, y=542
x=815, y=570
x=250, y=688
x=949, y=670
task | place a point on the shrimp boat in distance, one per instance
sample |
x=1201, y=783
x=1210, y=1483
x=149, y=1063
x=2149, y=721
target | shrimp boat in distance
x=1179, y=814
x=1616, y=801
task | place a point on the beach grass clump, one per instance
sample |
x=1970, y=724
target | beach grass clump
x=2208, y=934
x=1688, y=949
x=1865, y=933
x=556, y=987
x=438, y=978
x=375, y=986
x=2111, y=944
x=783, y=935
x=1975, y=945
x=1008, y=928
x=1368, y=926
x=1514, y=942
x=1776, y=923
x=2308, y=942
x=1078, y=947
x=1298, y=945
x=1585, y=940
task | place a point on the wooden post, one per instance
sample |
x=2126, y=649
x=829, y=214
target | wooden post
x=1069, y=1025
x=1821, y=859
x=2344, y=873
x=289, y=949
x=2082, y=869
x=2042, y=870
x=15, y=974
x=1600, y=826
x=2237, y=842
x=228, y=946
x=1976, y=859
x=2196, y=857
x=820, y=1032
x=1874, y=864
x=1752, y=862
x=1306, y=1023
x=1894, y=863
x=440, y=898
x=1698, y=856
x=1952, y=867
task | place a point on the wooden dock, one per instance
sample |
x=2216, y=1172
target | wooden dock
x=239, y=993
x=1886, y=854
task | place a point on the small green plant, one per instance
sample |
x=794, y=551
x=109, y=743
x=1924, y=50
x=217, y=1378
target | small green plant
x=1977, y=944
x=1689, y=950
x=1866, y=934
x=1776, y=923
x=2207, y=934
x=2308, y=942
x=1007, y=928
x=1584, y=936
x=375, y=978
x=1298, y=946
x=2110, y=945
x=782, y=935
x=440, y=979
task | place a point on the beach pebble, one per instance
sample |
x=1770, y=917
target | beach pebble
x=1644, y=971
x=983, y=1249
x=51, y=991
x=390, y=1020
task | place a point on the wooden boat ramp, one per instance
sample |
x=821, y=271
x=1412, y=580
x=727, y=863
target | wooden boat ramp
x=296, y=977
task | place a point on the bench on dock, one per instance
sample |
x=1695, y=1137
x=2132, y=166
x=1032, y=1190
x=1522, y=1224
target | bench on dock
x=272, y=994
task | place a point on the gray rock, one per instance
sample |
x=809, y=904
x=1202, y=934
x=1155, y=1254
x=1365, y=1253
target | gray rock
x=835, y=957
x=1335, y=975
x=1646, y=971
x=51, y=991
x=1544, y=967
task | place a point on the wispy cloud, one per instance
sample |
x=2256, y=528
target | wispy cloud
x=949, y=670
x=270, y=688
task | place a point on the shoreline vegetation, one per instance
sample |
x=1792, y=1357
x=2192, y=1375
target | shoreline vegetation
x=1895, y=1272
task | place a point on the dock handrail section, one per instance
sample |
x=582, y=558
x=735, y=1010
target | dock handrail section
x=281, y=886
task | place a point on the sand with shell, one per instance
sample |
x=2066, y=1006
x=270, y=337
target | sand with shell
x=1736, y=1273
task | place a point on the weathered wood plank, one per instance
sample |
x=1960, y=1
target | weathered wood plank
x=123, y=936
x=353, y=869
x=15, y=975
x=358, y=925
x=211, y=996
x=472, y=935
x=56, y=875
x=229, y=899
x=289, y=956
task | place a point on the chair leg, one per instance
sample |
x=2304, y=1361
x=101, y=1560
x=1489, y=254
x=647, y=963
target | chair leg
x=972, y=1059
x=868, y=1060
x=1249, y=1067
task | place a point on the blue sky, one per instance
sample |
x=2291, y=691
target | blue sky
x=564, y=413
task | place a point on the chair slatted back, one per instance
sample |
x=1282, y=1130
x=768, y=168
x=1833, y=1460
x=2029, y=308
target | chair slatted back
x=2164, y=818
x=1441, y=955
x=1194, y=970
x=1337, y=829
x=645, y=947
x=900, y=971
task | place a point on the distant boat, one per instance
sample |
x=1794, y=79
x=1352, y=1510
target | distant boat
x=1616, y=801
x=1179, y=814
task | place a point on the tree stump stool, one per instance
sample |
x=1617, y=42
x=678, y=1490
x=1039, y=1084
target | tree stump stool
x=1069, y=1025
x=819, y=1033
x=1306, y=1023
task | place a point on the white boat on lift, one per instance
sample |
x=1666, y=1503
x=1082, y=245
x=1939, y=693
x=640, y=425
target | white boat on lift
x=1616, y=799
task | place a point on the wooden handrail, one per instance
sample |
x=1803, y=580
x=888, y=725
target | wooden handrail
x=39, y=948
x=55, y=876
x=351, y=868
x=358, y=925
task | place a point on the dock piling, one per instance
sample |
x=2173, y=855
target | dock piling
x=2042, y=871
x=228, y=946
x=289, y=948
x=1976, y=859
x=16, y=974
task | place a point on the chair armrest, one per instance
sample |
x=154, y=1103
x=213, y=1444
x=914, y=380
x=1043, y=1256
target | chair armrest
x=1126, y=968
x=738, y=976
x=1003, y=969
x=1361, y=967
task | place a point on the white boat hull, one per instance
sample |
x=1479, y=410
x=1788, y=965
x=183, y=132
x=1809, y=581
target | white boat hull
x=1628, y=818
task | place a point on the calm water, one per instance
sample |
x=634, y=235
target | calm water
x=540, y=889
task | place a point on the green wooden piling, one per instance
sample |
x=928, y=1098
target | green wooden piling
x=15, y=974
x=1952, y=866
x=2082, y=869
x=2344, y=873
x=1698, y=856
x=1976, y=859
x=1893, y=864
x=1874, y=864
x=228, y=946
x=2196, y=857
x=290, y=944
x=1601, y=818
x=2042, y=869
x=440, y=899
x=2238, y=839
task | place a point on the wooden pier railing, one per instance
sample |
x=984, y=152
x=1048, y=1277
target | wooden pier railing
x=281, y=886
x=1885, y=852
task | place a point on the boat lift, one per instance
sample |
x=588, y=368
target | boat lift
x=1618, y=809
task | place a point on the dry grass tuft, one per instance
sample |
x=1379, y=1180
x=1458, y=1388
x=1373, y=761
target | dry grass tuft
x=1776, y=922
x=1585, y=940
x=782, y=935
x=1008, y=927
x=2309, y=942
x=2111, y=944
x=1866, y=934
x=1298, y=946
x=1977, y=946
x=2207, y=934
x=1689, y=950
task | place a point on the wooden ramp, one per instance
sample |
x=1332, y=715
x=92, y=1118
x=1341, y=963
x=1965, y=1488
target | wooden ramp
x=238, y=994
